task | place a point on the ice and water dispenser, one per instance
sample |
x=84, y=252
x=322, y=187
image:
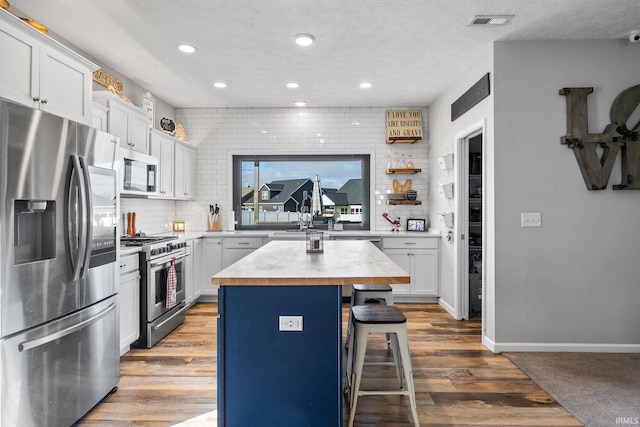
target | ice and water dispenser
x=34, y=233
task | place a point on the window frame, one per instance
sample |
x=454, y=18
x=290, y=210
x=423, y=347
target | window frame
x=367, y=203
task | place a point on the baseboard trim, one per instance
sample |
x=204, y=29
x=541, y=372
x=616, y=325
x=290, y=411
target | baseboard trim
x=562, y=347
x=448, y=308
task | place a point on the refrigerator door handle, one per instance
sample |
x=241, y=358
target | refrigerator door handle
x=87, y=217
x=28, y=345
x=76, y=223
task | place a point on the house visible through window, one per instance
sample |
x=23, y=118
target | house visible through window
x=315, y=188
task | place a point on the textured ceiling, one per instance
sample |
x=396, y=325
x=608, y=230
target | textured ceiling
x=410, y=50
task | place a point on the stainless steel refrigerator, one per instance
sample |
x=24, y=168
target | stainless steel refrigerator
x=59, y=350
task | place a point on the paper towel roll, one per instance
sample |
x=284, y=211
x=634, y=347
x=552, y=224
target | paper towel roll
x=231, y=221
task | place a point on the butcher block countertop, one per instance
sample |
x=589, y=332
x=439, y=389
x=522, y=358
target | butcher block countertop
x=343, y=262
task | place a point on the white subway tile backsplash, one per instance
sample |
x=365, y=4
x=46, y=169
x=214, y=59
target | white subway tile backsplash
x=216, y=133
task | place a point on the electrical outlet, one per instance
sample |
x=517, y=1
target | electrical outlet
x=290, y=323
x=531, y=219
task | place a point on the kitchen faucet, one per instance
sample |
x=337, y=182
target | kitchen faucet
x=304, y=219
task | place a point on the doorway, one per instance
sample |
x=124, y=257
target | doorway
x=470, y=222
x=474, y=224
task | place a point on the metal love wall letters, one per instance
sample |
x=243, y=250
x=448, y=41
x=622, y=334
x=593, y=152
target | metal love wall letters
x=596, y=152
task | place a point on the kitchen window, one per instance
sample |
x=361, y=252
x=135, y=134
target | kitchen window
x=276, y=191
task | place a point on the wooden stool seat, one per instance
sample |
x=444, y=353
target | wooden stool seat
x=368, y=288
x=361, y=294
x=376, y=314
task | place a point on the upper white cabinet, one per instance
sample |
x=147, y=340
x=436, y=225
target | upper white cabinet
x=39, y=72
x=185, y=172
x=162, y=147
x=99, y=117
x=125, y=121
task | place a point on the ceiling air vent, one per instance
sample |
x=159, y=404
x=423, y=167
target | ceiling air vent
x=490, y=20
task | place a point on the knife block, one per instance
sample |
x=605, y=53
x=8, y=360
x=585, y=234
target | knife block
x=213, y=224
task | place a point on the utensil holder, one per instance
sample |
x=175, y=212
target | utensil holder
x=315, y=243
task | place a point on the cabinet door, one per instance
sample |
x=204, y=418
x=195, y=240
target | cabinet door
x=99, y=117
x=19, y=67
x=190, y=174
x=179, y=184
x=118, y=123
x=185, y=169
x=65, y=86
x=129, y=305
x=196, y=257
x=211, y=260
x=139, y=131
x=162, y=148
x=402, y=257
x=424, y=274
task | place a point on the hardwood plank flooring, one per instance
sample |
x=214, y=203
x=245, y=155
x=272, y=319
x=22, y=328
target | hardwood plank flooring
x=458, y=381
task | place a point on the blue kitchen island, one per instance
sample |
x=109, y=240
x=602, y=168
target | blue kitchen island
x=280, y=331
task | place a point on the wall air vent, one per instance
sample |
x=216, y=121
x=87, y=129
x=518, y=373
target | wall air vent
x=490, y=20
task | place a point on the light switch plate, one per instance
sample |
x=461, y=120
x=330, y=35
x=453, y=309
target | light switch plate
x=531, y=219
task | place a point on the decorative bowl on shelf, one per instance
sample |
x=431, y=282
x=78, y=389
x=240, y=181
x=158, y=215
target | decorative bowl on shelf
x=395, y=196
x=412, y=194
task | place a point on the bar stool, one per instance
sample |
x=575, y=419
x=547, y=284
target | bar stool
x=361, y=293
x=368, y=319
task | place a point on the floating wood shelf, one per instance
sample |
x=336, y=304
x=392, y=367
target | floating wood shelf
x=403, y=170
x=404, y=202
x=403, y=140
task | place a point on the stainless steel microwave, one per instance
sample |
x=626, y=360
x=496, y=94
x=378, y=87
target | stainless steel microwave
x=139, y=173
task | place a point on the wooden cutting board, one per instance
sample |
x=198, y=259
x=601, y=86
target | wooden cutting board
x=401, y=188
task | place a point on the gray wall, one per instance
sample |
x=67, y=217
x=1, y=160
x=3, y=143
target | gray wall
x=574, y=283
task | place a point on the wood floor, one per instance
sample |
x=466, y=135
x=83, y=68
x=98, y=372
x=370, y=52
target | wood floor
x=458, y=381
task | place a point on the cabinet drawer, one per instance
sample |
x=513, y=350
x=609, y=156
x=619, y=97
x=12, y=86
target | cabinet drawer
x=409, y=243
x=241, y=242
x=129, y=263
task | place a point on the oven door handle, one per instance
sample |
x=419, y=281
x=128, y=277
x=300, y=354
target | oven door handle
x=163, y=263
x=159, y=325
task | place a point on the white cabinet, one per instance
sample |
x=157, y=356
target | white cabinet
x=419, y=258
x=162, y=147
x=129, y=301
x=185, y=172
x=99, y=117
x=125, y=121
x=193, y=288
x=41, y=73
x=211, y=264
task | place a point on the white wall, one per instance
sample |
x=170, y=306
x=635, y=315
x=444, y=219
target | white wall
x=443, y=137
x=574, y=283
x=220, y=132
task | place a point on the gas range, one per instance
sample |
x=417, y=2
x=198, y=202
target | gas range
x=155, y=246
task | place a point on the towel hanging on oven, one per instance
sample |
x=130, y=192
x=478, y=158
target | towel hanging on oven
x=172, y=281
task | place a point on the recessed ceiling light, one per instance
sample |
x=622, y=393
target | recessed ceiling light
x=300, y=103
x=186, y=48
x=304, y=39
x=293, y=85
x=220, y=85
x=365, y=85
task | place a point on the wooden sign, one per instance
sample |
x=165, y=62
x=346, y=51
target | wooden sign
x=404, y=126
x=471, y=97
x=108, y=81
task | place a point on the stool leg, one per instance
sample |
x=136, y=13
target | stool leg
x=354, y=295
x=350, y=350
x=395, y=349
x=360, y=349
x=408, y=372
